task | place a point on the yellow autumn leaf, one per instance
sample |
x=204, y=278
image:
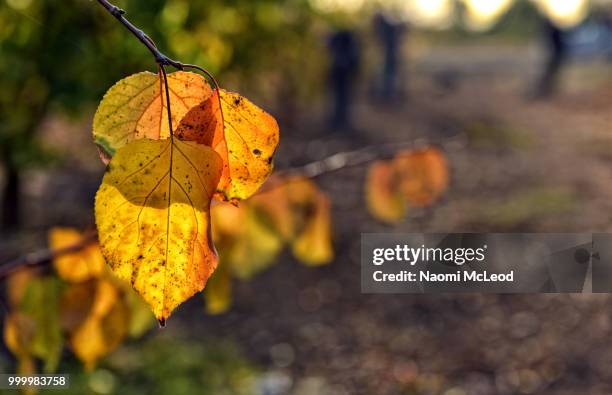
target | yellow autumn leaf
x=251, y=136
x=384, y=199
x=413, y=178
x=81, y=265
x=273, y=207
x=19, y=332
x=135, y=108
x=75, y=304
x=153, y=218
x=104, y=326
x=246, y=245
x=311, y=216
x=244, y=135
x=313, y=245
x=204, y=125
x=16, y=286
x=33, y=328
x=218, y=292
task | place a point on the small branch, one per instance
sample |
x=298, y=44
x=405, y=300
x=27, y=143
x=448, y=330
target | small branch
x=331, y=164
x=160, y=58
x=46, y=256
x=347, y=159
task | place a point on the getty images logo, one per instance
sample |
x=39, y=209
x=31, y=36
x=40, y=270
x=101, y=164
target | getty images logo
x=411, y=255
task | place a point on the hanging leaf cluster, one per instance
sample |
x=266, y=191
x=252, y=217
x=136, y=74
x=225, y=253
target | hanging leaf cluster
x=412, y=179
x=81, y=305
x=291, y=212
x=153, y=207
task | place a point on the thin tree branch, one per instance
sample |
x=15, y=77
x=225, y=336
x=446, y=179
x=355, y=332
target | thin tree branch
x=346, y=159
x=314, y=169
x=331, y=164
x=45, y=256
x=160, y=58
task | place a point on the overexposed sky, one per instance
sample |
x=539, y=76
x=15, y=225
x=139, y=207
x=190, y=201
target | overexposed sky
x=480, y=14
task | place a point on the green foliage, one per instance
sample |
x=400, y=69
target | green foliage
x=62, y=56
x=165, y=365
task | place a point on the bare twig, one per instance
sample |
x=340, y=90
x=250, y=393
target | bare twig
x=347, y=159
x=45, y=256
x=315, y=169
x=160, y=58
x=331, y=164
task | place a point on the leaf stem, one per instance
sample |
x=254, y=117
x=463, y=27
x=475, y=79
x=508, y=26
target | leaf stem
x=162, y=69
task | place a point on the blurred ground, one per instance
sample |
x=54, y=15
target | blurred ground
x=518, y=166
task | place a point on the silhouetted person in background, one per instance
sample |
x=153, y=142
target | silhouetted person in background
x=390, y=35
x=556, y=45
x=345, y=58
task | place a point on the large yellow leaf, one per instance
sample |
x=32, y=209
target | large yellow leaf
x=81, y=265
x=135, y=108
x=153, y=217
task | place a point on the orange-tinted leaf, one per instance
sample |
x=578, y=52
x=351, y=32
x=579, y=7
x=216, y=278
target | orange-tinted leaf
x=16, y=286
x=384, y=198
x=311, y=230
x=77, y=266
x=424, y=175
x=204, y=125
x=135, y=108
x=313, y=246
x=75, y=304
x=251, y=136
x=414, y=178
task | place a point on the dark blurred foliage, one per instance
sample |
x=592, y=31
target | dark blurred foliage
x=62, y=56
